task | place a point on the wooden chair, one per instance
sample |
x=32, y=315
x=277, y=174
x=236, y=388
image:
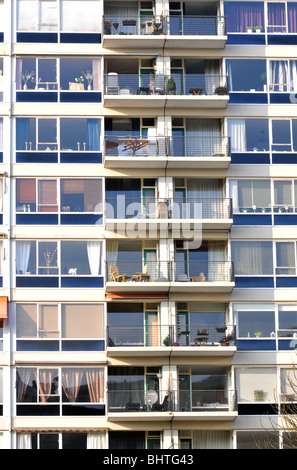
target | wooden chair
x=139, y=277
x=115, y=276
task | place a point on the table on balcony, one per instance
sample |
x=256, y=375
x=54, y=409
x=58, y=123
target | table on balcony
x=196, y=91
x=133, y=144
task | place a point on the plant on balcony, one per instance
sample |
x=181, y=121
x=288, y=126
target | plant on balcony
x=27, y=77
x=107, y=26
x=79, y=79
x=171, y=86
x=227, y=340
x=249, y=29
x=258, y=29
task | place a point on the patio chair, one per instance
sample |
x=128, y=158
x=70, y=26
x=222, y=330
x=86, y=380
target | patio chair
x=115, y=276
x=112, y=83
x=140, y=277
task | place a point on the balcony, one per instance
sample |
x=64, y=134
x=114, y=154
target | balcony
x=190, y=90
x=146, y=404
x=168, y=213
x=173, y=152
x=180, y=276
x=170, y=31
x=202, y=340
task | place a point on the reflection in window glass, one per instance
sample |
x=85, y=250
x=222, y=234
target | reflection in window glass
x=81, y=195
x=246, y=74
x=257, y=440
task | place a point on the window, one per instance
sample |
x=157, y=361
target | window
x=1, y=79
x=285, y=195
x=77, y=195
x=59, y=391
x=282, y=75
x=255, y=320
x=284, y=135
x=287, y=323
x=44, y=15
x=285, y=258
x=240, y=15
x=247, y=135
x=63, y=327
x=256, y=384
x=252, y=258
x=64, y=440
x=40, y=15
x=281, y=17
x=53, y=258
x=250, y=195
x=40, y=134
x=257, y=440
x=80, y=16
x=246, y=74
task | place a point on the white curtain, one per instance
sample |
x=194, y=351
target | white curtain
x=211, y=440
x=234, y=195
x=237, y=134
x=152, y=266
x=24, y=441
x=202, y=136
x=216, y=258
x=96, y=70
x=112, y=250
x=279, y=75
x=293, y=73
x=212, y=74
x=96, y=440
x=22, y=256
x=94, y=255
x=209, y=190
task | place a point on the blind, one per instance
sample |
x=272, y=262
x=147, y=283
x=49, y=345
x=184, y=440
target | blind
x=26, y=191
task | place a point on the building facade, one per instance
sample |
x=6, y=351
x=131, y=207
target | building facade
x=148, y=153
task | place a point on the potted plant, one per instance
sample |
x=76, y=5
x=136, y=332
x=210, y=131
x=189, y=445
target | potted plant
x=258, y=334
x=171, y=86
x=107, y=26
x=249, y=29
x=258, y=29
x=167, y=341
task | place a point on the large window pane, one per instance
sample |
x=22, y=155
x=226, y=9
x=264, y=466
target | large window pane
x=81, y=195
x=84, y=257
x=283, y=193
x=80, y=134
x=82, y=321
x=252, y=258
x=285, y=258
x=287, y=317
x=73, y=69
x=47, y=258
x=252, y=318
x=256, y=384
x=80, y=16
x=281, y=135
x=26, y=320
x=246, y=74
x=242, y=14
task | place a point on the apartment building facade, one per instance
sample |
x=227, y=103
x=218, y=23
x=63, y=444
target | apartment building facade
x=148, y=208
